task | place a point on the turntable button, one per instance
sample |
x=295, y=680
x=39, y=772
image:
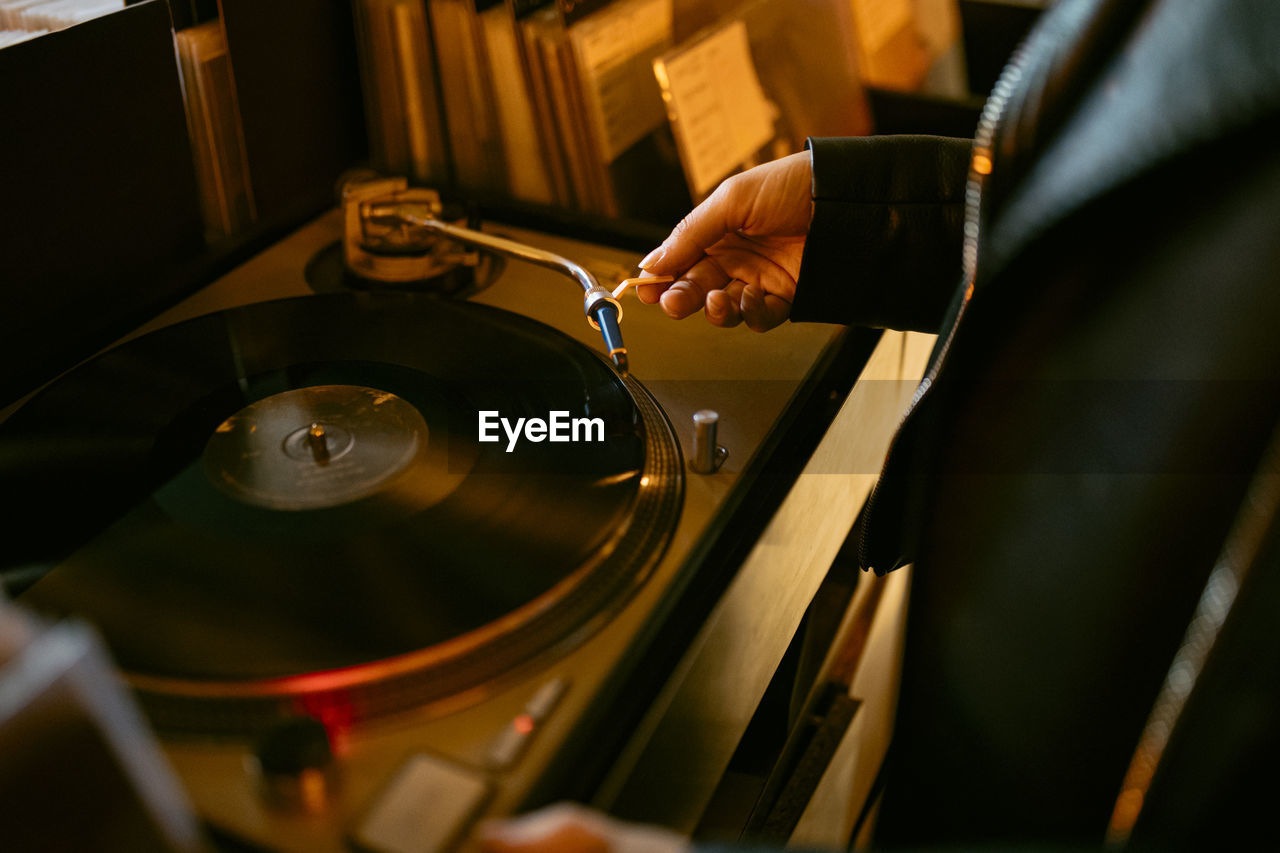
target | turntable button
x=511, y=742
x=426, y=808
x=295, y=765
x=545, y=699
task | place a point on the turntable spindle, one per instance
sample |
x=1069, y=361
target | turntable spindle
x=319, y=443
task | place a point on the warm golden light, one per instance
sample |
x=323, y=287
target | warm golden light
x=312, y=790
x=1128, y=806
x=982, y=164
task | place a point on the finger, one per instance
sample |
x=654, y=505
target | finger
x=722, y=305
x=651, y=293
x=648, y=287
x=568, y=828
x=681, y=300
x=561, y=839
x=689, y=294
x=738, y=260
x=563, y=827
x=761, y=310
x=705, y=225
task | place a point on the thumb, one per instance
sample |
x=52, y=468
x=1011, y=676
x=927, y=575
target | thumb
x=701, y=229
x=568, y=828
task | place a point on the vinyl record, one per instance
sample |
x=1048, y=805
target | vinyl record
x=287, y=507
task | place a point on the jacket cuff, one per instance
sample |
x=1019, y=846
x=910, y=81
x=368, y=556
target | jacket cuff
x=884, y=243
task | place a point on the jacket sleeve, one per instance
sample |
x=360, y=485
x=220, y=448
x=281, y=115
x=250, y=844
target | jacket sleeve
x=884, y=243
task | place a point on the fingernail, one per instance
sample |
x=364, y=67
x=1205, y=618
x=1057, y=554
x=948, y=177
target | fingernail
x=673, y=302
x=714, y=308
x=653, y=257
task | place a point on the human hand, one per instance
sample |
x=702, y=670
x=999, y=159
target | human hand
x=568, y=828
x=738, y=253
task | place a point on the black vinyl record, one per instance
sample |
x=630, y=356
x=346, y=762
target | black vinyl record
x=287, y=507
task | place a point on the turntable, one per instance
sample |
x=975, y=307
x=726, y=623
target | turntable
x=378, y=563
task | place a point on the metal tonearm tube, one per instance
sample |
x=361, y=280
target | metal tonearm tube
x=602, y=310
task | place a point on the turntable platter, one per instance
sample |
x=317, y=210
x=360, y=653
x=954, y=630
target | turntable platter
x=287, y=507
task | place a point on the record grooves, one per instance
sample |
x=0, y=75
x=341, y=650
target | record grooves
x=284, y=508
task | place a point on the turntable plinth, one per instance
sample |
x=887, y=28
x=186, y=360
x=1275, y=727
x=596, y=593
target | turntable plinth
x=421, y=604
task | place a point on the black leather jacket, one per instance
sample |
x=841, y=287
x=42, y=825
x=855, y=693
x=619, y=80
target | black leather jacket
x=1105, y=383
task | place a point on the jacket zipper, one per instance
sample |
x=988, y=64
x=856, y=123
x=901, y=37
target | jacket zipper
x=981, y=165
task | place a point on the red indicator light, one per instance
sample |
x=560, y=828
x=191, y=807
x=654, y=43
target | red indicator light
x=523, y=724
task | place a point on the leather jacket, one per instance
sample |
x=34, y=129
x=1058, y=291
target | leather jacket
x=1103, y=265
